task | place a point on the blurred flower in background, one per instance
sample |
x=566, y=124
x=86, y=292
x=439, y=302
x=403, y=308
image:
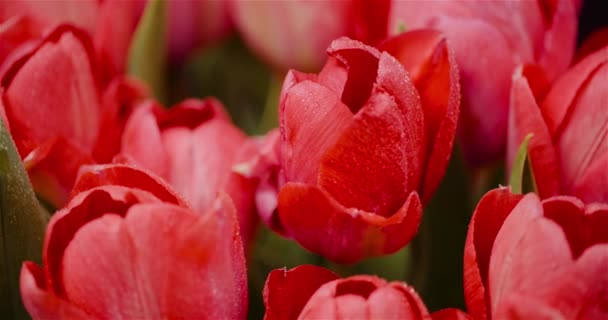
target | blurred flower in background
x=110, y=23
x=193, y=24
x=294, y=34
x=490, y=38
x=59, y=111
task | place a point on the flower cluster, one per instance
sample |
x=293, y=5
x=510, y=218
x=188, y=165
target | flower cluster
x=159, y=197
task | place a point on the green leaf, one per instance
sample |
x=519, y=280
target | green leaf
x=22, y=225
x=519, y=163
x=148, y=51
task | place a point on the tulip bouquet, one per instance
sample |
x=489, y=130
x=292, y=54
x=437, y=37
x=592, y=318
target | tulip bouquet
x=233, y=159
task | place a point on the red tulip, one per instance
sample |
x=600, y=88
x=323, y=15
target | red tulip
x=118, y=252
x=194, y=146
x=294, y=34
x=536, y=260
x=490, y=38
x=361, y=140
x=110, y=23
x=569, y=149
x=311, y=292
x=53, y=105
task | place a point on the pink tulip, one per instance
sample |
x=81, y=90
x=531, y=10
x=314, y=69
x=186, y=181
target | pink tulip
x=294, y=34
x=568, y=119
x=490, y=38
x=532, y=259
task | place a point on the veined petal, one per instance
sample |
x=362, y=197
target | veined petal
x=54, y=85
x=487, y=220
x=583, y=138
x=312, y=119
x=566, y=88
x=508, y=268
x=592, y=186
x=83, y=208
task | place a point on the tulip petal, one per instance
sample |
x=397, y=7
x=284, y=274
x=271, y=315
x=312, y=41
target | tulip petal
x=52, y=168
x=286, y=292
x=319, y=223
x=394, y=80
x=197, y=262
x=593, y=185
x=205, y=263
x=190, y=113
x=426, y=56
x=40, y=303
x=16, y=31
x=142, y=140
x=105, y=246
x=566, y=88
x=361, y=61
x=559, y=41
x=529, y=254
x=119, y=100
x=450, y=314
x=39, y=103
x=371, y=20
x=530, y=258
x=396, y=301
x=384, y=141
x=333, y=75
x=583, y=227
x=199, y=173
x=312, y=119
x=81, y=13
x=367, y=168
x=487, y=220
x=83, y=208
x=525, y=118
x=521, y=307
x=116, y=21
x=584, y=135
x=259, y=161
x=93, y=176
x=587, y=287
x=342, y=298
